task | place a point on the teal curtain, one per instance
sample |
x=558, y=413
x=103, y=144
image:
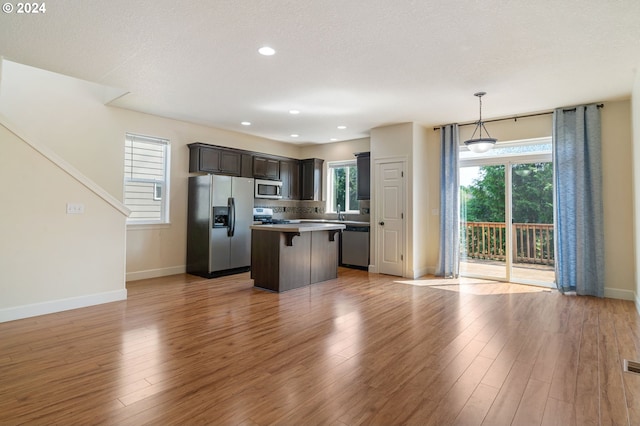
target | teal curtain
x=577, y=162
x=449, y=256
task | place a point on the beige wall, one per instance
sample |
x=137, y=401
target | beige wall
x=161, y=250
x=337, y=151
x=617, y=188
x=69, y=117
x=396, y=143
x=617, y=178
x=49, y=260
x=635, y=109
x=432, y=208
x=419, y=202
x=73, y=122
x=511, y=130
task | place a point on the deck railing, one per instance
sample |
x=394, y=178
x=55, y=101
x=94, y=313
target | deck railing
x=531, y=242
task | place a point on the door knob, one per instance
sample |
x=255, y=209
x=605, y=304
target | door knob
x=381, y=223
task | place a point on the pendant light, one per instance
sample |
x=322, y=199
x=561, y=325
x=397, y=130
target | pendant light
x=480, y=144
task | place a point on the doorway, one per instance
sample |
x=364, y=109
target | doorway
x=390, y=195
x=506, y=213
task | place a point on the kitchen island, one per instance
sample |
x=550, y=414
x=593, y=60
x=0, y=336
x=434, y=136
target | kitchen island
x=288, y=256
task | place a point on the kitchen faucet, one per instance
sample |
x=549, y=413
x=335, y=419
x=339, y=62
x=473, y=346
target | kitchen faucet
x=340, y=215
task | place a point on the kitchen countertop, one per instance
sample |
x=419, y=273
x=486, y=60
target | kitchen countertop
x=300, y=227
x=343, y=222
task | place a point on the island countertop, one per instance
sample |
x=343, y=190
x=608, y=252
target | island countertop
x=299, y=227
x=292, y=255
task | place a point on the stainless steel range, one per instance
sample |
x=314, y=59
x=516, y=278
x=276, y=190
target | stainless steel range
x=265, y=216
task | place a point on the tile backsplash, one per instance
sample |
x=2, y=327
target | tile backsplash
x=308, y=210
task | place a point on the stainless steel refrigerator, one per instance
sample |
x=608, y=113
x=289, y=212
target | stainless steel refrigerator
x=219, y=215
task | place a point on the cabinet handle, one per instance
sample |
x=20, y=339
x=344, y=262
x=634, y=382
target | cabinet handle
x=381, y=223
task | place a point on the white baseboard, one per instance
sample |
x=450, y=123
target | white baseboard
x=638, y=303
x=617, y=293
x=417, y=273
x=33, y=310
x=373, y=269
x=155, y=273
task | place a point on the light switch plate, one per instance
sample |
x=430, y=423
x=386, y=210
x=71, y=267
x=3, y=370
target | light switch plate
x=75, y=208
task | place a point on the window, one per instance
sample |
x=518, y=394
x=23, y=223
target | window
x=343, y=187
x=146, y=179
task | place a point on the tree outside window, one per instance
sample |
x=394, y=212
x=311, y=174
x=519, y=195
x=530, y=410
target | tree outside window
x=343, y=187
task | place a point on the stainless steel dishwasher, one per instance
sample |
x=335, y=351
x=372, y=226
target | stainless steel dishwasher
x=355, y=246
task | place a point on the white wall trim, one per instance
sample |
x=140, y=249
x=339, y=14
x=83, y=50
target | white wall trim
x=155, y=273
x=49, y=307
x=64, y=166
x=618, y=293
x=637, y=298
x=417, y=273
x=373, y=232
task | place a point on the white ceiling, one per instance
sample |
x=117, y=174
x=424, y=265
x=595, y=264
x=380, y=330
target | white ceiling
x=358, y=63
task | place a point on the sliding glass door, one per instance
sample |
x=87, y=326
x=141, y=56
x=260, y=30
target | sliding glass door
x=506, y=214
x=532, y=222
x=483, y=233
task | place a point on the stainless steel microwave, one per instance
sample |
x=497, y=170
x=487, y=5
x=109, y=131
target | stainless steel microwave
x=268, y=189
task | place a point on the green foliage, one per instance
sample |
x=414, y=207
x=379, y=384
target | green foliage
x=533, y=193
x=339, y=178
x=339, y=182
x=484, y=199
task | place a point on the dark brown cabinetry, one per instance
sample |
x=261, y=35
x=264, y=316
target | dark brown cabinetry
x=208, y=159
x=230, y=163
x=311, y=179
x=301, y=179
x=246, y=169
x=290, y=177
x=266, y=168
x=363, y=163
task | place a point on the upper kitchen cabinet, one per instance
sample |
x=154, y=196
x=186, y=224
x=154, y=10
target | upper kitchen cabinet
x=266, y=168
x=363, y=163
x=290, y=177
x=205, y=158
x=246, y=169
x=311, y=179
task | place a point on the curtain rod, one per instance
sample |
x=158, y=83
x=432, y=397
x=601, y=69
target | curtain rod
x=515, y=117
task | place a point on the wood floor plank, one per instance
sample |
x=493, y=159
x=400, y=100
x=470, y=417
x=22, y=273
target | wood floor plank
x=532, y=405
x=613, y=404
x=558, y=413
x=477, y=406
x=506, y=403
x=360, y=349
x=587, y=398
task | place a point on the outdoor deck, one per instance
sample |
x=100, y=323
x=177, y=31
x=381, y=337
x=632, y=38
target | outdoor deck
x=524, y=272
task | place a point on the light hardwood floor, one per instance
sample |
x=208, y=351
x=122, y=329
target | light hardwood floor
x=361, y=349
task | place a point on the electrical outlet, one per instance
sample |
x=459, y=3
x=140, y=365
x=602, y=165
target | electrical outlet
x=75, y=208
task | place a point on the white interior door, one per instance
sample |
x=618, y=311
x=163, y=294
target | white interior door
x=390, y=226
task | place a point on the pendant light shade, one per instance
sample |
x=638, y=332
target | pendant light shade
x=481, y=143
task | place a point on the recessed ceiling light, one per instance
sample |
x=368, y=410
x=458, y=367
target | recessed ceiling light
x=246, y=123
x=342, y=127
x=294, y=111
x=333, y=139
x=266, y=51
x=294, y=135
